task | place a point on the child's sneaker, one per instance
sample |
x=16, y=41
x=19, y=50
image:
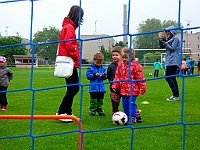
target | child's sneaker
x=139, y=119
x=173, y=98
x=102, y=114
x=133, y=120
x=64, y=120
x=92, y=115
x=4, y=108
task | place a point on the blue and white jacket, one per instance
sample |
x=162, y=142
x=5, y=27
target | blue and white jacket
x=172, y=49
x=90, y=74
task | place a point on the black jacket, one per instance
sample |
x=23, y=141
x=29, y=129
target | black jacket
x=111, y=73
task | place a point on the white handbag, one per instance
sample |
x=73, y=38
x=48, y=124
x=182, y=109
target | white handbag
x=63, y=67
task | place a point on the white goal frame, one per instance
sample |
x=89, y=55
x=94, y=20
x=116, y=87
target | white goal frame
x=162, y=54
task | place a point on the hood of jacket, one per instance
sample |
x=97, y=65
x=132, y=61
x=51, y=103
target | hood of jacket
x=69, y=49
x=171, y=29
x=67, y=21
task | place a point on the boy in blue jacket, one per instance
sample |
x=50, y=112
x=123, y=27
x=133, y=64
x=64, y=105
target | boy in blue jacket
x=96, y=73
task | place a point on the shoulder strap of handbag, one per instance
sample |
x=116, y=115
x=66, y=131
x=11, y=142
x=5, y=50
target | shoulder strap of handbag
x=57, y=50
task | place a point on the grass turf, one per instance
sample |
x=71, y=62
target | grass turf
x=161, y=129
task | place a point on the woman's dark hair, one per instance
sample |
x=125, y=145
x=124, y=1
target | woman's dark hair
x=73, y=14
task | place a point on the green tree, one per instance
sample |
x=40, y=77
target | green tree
x=46, y=35
x=109, y=56
x=167, y=23
x=147, y=41
x=120, y=43
x=150, y=40
x=106, y=53
x=13, y=50
x=150, y=57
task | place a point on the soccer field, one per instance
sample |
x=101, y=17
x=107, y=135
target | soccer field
x=166, y=125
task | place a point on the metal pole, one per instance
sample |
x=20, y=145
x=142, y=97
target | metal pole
x=7, y=31
x=184, y=45
x=188, y=25
x=95, y=27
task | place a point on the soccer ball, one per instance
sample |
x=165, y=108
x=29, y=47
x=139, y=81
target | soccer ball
x=119, y=118
x=150, y=74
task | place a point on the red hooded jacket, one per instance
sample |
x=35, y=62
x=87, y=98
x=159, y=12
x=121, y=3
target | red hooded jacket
x=69, y=48
x=136, y=73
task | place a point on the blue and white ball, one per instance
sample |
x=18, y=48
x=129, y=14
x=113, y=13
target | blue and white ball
x=119, y=118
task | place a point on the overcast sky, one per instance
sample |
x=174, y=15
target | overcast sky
x=108, y=15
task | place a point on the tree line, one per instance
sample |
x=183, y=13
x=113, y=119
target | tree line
x=45, y=41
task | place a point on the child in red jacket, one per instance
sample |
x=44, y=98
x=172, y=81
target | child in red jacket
x=115, y=96
x=129, y=90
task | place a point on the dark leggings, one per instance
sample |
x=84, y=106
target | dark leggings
x=171, y=70
x=66, y=105
x=3, y=98
x=156, y=72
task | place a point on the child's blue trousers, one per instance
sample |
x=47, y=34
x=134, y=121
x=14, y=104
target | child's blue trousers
x=126, y=104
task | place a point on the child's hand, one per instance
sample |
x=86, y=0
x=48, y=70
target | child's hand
x=97, y=74
x=102, y=75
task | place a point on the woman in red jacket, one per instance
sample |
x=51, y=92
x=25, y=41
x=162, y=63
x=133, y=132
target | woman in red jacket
x=127, y=88
x=68, y=46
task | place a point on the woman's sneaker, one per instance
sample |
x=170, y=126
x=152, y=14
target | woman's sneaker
x=173, y=98
x=64, y=120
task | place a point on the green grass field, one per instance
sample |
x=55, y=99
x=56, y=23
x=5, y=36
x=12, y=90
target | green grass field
x=161, y=128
